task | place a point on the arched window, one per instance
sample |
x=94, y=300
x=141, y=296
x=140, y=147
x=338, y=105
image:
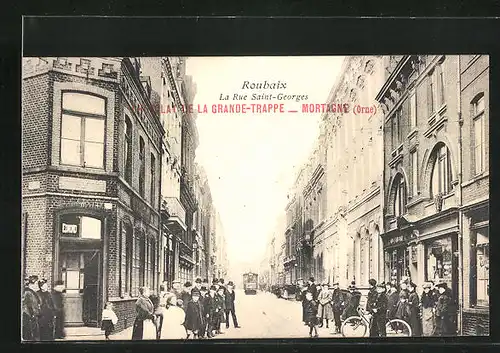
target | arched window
x=441, y=171
x=478, y=134
x=400, y=196
x=82, y=130
x=142, y=167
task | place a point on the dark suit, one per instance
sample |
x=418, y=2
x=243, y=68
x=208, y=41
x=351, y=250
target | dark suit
x=46, y=319
x=59, y=314
x=31, y=312
x=379, y=309
x=229, y=300
x=194, y=317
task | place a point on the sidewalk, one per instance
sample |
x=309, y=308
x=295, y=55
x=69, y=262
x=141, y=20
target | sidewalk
x=94, y=334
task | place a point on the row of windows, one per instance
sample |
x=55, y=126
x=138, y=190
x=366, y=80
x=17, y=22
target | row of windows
x=83, y=127
x=140, y=261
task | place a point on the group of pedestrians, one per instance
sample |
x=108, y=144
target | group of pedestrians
x=190, y=312
x=430, y=314
x=43, y=310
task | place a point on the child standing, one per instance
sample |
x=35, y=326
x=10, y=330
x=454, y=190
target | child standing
x=109, y=320
x=311, y=311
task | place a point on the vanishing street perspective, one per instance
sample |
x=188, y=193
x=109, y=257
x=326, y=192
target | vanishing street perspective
x=188, y=198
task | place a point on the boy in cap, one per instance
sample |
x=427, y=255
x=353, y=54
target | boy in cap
x=221, y=308
x=31, y=310
x=379, y=311
x=311, y=312
x=197, y=284
x=325, y=310
x=194, y=315
x=203, y=302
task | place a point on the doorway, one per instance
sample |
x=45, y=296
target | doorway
x=81, y=271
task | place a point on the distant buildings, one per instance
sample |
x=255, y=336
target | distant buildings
x=401, y=191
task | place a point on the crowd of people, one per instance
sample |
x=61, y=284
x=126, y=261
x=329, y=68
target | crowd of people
x=43, y=310
x=429, y=314
x=190, y=312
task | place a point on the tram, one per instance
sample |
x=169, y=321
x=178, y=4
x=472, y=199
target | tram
x=250, y=282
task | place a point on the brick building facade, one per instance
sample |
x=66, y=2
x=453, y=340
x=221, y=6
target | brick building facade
x=90, y=209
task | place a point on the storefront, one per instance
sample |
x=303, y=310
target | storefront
x=397, y=255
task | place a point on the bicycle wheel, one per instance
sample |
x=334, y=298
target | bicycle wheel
x=354, y=326
x=397, y=328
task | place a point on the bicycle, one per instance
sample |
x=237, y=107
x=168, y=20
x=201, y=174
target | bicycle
x=358, y=326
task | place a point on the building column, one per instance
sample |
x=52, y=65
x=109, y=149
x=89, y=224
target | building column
x=420, y=264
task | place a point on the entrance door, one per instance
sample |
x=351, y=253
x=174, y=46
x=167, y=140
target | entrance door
x=80, y=271
x=91, y=302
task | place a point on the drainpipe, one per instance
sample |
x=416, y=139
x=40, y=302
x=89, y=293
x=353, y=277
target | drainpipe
x=460, y=198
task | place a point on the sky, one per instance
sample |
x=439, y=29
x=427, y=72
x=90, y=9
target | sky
x=251, y=160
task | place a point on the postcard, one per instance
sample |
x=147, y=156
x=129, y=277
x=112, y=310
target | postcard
x=255, y=197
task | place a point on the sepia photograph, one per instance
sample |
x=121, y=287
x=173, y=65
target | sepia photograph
x=254, y=197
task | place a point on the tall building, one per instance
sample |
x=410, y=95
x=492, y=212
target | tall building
x=91, y=145
x=173, y=213
x=436, y=178
x=203, y=219
x=220, y=261
x=345, y=224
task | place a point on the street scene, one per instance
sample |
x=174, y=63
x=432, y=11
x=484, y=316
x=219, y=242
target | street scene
x=183, y=198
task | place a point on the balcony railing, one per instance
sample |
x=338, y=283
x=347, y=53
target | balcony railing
x=175, y=210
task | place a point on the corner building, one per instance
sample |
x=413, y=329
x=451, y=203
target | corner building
x=91, y=165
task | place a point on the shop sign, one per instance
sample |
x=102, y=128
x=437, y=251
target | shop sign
x=69, y=228
x=401, y=238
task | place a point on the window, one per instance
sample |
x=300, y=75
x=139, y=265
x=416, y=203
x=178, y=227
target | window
x=432, y=93
x=397, y=129
x=153, y=180
x=142, y=167
x=138, y=262
x=438, y=263
x=441, y=86
x=478, y=133
x=400, y=197
x=413, y=112
x=127, y=150
x=414, y=173
x=480, y=264
x=82, y=130
x=76, y=226
x=129, y=257
x=442, y=172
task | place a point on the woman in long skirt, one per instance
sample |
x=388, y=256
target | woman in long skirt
x=144, y=324
x=428, y=317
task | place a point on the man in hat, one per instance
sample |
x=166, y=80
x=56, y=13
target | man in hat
x=31, y=310
x=428, y=302
x=337, y=305
x=392, y=301
x=47, y=312
x=372, y=294
x=230, y=309
x=311, y=287
x=186, y=294
x=197, y=284
x=211, y=312
x=194, y=315
x=379, y=311
x=221, y=309
x=443, y=312
x=325, y=310
x=352, y=299
x=215, y=282
x=57, y=298
x=221, y=284
x=203, y=302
